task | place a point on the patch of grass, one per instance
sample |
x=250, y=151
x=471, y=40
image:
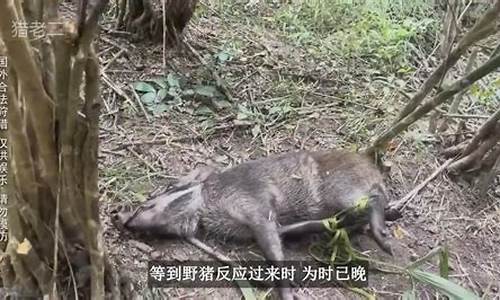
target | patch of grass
x=313, y=17
x=377, y=31
x=126, y=182
x=378, y=39
x=269, y=112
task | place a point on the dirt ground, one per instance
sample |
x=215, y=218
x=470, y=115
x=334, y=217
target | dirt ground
x=336, y=105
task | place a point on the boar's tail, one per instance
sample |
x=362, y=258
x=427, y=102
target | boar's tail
x=377, y=200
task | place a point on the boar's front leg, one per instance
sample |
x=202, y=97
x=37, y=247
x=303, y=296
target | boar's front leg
x=266, y=234
x=377, y=222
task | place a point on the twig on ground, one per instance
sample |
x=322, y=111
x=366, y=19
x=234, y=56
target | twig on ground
x=345, y=100
x=117, y=90
x=400, y=204
x=111, y=42
x=115, y=57
x=150, y=166
x=462, y=116
x=138, y=99
x=119, y=33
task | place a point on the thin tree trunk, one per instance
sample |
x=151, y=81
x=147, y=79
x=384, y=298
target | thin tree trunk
x=55, y=241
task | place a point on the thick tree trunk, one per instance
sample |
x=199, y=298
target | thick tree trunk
x=145, y=22
x=54, y=244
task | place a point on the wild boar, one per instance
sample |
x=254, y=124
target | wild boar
x=262, y=199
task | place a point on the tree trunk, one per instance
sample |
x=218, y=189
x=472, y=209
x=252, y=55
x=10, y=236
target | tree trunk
x=140, y=18
x=54, y=244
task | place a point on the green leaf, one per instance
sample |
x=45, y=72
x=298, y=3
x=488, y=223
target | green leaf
x=223, y=56
x=203, y=110
x=160, y=108
x=256, y=130
x=207, y=123
x=143, y=87
x=274, y=109
x=445, y=286
x=162, y=94
x=222, y=104
x=444, y=269
x=174, y=92
x=246, y=290
x=206, y=90
x=248, y=293
x=362, y=292
x=160, y=82
x=173, y=81
x=243, y=113
x=188, y=92
x=148, y=98
x=140, y=197
x=409, y=295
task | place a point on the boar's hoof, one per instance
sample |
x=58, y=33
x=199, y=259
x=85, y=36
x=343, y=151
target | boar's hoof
x=392, y=214
x=379, y=235
x=387, y=248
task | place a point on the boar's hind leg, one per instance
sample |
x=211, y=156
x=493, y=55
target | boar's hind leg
x=266, y=234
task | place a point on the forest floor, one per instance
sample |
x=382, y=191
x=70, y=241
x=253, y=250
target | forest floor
x=292, y=88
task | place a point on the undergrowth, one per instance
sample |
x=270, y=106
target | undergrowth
x=384, y=33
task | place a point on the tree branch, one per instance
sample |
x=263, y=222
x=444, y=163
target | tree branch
x=484, y=131
x=463, y=83
x=482, y=29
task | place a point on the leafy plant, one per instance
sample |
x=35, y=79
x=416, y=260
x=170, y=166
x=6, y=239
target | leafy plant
x=161, y=94
x=223, y=56
x=342, y=252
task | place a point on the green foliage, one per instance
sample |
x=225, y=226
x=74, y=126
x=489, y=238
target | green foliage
x=409, y=295
x=265, y=115
x=130, y=176
x=223, y=56
x=316, y=16
x=487, y=95
x=378, y=31
x=445, y=286
x=379, y=39
x=444, y=268
x=161, y=94
x=339, y=250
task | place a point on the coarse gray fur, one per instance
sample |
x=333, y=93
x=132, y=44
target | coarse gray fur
x=263, y=199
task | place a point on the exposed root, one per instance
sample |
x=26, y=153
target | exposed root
x=140, y=18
